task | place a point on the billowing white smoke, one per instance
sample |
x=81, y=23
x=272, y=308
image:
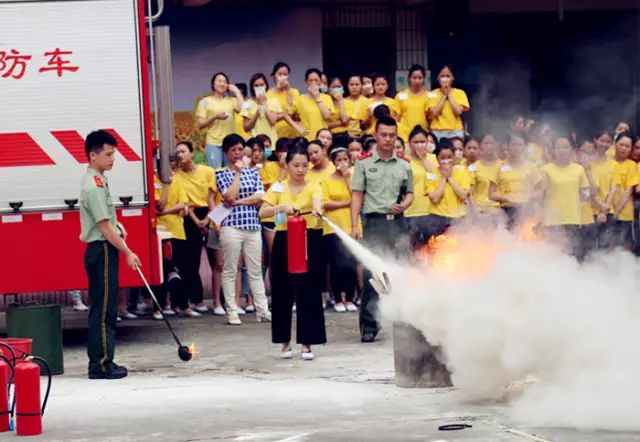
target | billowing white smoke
x=532, y=313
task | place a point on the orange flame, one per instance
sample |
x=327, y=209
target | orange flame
x=192, y=350
x=459, y=257
x=528, y=230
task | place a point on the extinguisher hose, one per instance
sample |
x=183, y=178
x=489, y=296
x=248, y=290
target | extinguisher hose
x=10, y=348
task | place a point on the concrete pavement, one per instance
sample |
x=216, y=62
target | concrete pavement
x=238, y=389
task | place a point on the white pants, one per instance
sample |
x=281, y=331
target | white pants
x=234, y=242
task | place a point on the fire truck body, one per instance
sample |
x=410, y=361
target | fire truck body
x=68, y=67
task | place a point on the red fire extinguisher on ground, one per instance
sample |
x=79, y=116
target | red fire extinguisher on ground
x=297, y=244
x=27, y=392
x=5, y=370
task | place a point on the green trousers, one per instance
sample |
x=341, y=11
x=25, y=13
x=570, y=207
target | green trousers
x=385, y=237
x=101, y=265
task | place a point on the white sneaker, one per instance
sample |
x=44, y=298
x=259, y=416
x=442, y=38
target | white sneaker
x=80, y=307
x=351, y=307
x=265, y=317
x=200, y=308
x=168, y=312
x=287, y=354
x=157, y=316
x=233, y=319
x=241, y=311
x=128, y=315
x=119, y=319
x=219, y=311
x=250, y=309
x=293, y=309
x=340, y=308
x=76, y=299
x=144, y=307
x=189, y=314
x=307, y=356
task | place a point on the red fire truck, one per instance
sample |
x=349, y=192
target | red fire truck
x=68, y=67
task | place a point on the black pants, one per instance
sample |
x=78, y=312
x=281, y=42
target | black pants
x=190, y=257
x=343, y=274
x=570, y=235
x=605, y=235
x=418, y=231
x=623, y=234
x=589, y=238
x=101, y=265
x=382, y=236
x=436, y=225
x=173, y=283
x=303, y=289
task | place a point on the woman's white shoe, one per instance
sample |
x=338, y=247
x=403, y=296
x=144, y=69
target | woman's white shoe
x=287, y=354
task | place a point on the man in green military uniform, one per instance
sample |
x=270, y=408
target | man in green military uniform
x=105, y=238
x=384, y=183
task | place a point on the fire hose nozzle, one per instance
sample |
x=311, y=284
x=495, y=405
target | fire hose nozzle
x=381, y=283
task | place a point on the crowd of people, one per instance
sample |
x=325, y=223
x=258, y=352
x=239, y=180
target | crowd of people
x=346, y=150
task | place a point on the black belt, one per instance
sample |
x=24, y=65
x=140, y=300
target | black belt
x=385, y=216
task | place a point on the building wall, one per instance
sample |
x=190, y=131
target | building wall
x=240, y=42
x=581, y=72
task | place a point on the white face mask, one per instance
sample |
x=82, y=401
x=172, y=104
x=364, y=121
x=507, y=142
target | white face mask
x=260, y=90
x=323, y=89
x=431, y=147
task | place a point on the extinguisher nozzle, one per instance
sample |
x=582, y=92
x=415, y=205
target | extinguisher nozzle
x=184, y=353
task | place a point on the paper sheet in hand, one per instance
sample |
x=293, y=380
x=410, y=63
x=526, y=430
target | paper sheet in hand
x=219, y=213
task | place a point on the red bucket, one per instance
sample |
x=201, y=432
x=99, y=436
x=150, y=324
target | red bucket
x=20, y=346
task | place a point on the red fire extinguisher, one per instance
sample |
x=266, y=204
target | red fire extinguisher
x=5, y=370
x=297, y=244
x=27, y=392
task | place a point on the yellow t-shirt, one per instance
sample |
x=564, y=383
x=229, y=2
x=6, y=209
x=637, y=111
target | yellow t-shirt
x=337, y=189
x=219, y=129
x=262, y=126
x=282, y=127
x=536, y=153
x=309, y=112
x=611, y=152
x=280, y=194
x=239, y=127
x=197, y=184
x=354, y=111
x=562, y=203
x=336, y=117
x=447, y=120
x=269, y=173
x=449, y=205
x=412, y=110
x=316, y=177
x=421, y=202
x=371, y=104
x=602, y=173
x=173, y=223
x=517, y=183
x=481, y=175
x=625, y=175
